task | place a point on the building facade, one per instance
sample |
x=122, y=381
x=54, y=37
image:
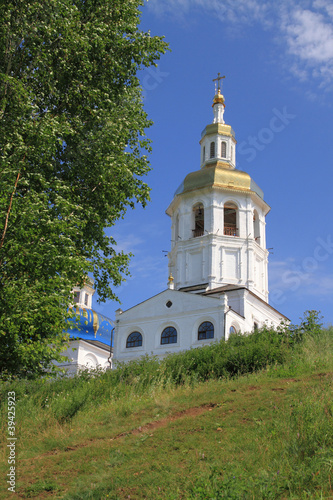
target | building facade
x=218, y=277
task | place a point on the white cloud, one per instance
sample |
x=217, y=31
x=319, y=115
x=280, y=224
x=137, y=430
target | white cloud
x=231, y=10
x=309, y=36
x=304, y=278
x=326, y=6
x=305, y=34
x=128, y=243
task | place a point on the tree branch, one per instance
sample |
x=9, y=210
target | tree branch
x=8, y=211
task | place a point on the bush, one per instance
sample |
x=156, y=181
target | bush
x=239, y=355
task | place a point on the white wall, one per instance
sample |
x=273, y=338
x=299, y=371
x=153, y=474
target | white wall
x=151, y=317
x=81, y=355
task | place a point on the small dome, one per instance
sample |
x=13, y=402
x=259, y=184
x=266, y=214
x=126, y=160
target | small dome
x=218, y=99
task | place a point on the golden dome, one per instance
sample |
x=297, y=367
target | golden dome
x=218, y=98
x=220, y=175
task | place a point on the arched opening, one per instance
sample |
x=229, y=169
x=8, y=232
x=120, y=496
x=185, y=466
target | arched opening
x=169, y=335
x=256, y=227
x=203, y=154
x=212, y=149
x=134, y=340
x=230, y=219
x=206, y=331
x=223, y=149
x=199, y=220
x=232, y=330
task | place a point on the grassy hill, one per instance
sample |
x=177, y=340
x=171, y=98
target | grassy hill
x=251, y=418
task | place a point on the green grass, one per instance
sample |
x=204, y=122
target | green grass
x=248, y=419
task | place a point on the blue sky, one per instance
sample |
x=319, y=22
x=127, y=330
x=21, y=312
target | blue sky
x=278, y=62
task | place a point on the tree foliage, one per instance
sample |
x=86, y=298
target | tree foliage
x=73, y=153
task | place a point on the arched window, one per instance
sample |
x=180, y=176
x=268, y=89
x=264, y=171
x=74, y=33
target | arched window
x=199, y=220
x=206, y=331
x=232, y=330
x=169, y=335
x=212, y=149
x=203, y=154
x=223, y=149
x=230, y=219
x=134, y=340
x=256, y=227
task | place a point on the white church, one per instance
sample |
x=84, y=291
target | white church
x=218, y=279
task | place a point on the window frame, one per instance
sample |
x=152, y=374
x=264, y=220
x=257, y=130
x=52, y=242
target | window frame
x=204, y=332
x=199, y=220
x=134, y=341
x=230, y=229
x=170, y=332
x=223, y=149
x=212, y=150
x=232, y=327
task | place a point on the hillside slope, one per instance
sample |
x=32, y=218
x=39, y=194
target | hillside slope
x=263, y=435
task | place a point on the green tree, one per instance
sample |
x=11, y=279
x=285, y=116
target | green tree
x=73, y=153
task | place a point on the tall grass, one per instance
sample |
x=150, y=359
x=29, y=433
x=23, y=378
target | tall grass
x=62, y=398
x=299, y=461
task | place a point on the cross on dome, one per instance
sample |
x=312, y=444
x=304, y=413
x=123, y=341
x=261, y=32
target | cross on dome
x=218, y=80
x=218, y=101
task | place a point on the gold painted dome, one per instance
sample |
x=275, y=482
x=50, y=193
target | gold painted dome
x=220, y=175
x=218, y=98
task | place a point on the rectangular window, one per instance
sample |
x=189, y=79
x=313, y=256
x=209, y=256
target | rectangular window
x=212, y=149
x=76, y=297
x=86, y=298
x=224, y=149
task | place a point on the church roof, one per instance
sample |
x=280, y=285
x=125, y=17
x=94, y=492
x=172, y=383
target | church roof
x=218, y=174
x=89, y=325
x=230, y=288
x=224, y=288
x=194, y=288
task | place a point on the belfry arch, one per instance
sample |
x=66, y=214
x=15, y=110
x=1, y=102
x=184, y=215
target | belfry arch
x=230, y=219
x=199, y=220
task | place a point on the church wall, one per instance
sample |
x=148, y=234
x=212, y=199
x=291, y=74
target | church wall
x=83, y=355
x=150, y=318
x=256, y=311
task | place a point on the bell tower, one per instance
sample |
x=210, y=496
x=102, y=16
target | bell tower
x=218, y=218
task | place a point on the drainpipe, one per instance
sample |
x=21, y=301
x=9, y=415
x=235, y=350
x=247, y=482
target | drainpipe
x=226, y=309
x=111, y=349
x=225, y=316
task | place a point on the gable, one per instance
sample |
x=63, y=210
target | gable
x=169, y=303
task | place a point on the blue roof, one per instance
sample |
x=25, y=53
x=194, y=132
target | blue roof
x=90, y=325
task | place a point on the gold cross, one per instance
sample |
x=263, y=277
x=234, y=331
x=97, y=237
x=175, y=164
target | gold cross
x=219, y=77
